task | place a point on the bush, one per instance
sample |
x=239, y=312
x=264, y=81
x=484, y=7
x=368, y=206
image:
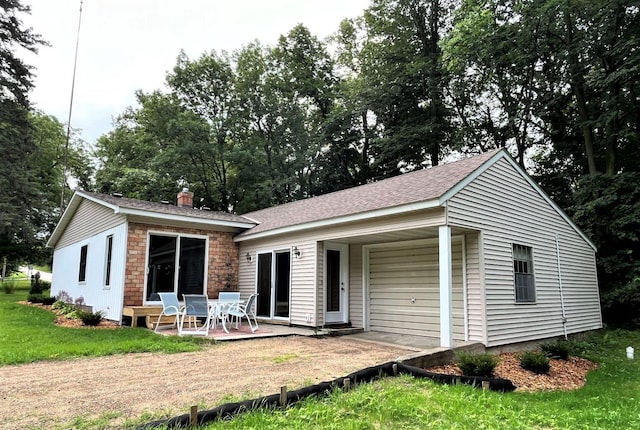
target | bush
x=559, y=349
x=66, y=309
x=537, y=362
x=48, y=300
x=36, y=284
x=477, y=364
x=8, y=286
x=35, y=298
x=90, y=318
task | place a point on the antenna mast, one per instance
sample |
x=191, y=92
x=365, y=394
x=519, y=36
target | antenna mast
x=66, y=144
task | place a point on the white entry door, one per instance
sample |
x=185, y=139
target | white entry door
x=336, y=283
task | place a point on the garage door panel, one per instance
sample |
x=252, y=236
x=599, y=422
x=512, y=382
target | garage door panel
x=399, y=274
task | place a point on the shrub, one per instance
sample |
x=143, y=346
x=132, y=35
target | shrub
x=35, y=298
x=90, y=318
x=537, y=362
x=36, y=285
x=8, y=286
x=477, y=364
x=66, y=309
x=48, y=300
x=559, y=350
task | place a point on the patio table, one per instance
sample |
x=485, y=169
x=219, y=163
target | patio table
x=216, y=310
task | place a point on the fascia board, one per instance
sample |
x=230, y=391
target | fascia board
x=181, y=218
x=503, y=154
x=396, y=210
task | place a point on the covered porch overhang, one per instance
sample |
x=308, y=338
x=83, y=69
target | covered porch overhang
x=440, y=236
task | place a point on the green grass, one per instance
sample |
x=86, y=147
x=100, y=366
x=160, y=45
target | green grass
x=28, y=334
x=608, y=401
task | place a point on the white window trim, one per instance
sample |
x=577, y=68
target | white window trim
x=533, y=273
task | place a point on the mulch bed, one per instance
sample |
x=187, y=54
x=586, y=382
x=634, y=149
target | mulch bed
x=63, y=321
x=563, y=375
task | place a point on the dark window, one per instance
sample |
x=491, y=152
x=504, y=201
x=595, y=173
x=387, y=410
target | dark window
x=82, y=273
x=107, y=276
x=162, y=271
x=523, y=274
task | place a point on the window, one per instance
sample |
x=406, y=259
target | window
x=82, y=273
x=175, y=264
x=107, y=275
x=523, y=274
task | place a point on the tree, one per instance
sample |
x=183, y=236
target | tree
x=402, y=64
x=19, y=196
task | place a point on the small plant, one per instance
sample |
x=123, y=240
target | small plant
x=48, y=300
x=79, y=301
x=558, y=350
x=477, y=364
x=90, y=318
x=63, y=296
x=66, y=309
x=8, y=286
x=537, y=362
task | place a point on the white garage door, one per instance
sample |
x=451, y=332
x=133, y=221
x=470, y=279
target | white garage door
x=404, y=289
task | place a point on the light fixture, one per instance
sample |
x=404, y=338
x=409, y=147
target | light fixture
x=296, y=252
x=249, y=258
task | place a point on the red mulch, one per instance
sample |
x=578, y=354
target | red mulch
x=563, y=375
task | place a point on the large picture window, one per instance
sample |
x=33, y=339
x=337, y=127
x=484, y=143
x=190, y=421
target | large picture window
x=82, y=272
x=175, y=264
x=523, y=274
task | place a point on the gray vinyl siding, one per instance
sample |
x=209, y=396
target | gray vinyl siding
x=307, y=285
x=475, y=294
x=397, y=274
x=90, y=218
x=509, y=210
x=355, y=286
x=302, y=293
x=66, y=263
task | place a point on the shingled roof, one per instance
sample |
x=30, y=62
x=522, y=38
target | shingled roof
x=165, y=208
x=418, y=186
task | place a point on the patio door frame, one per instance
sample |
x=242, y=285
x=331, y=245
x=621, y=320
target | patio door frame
x=342, y=315
x=273, y=287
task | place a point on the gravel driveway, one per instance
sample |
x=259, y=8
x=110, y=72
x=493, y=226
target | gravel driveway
x=54, y=394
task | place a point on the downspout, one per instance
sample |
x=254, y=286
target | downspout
x=564, y=316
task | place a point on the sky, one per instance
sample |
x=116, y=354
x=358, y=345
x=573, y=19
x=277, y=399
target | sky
x=129, y=45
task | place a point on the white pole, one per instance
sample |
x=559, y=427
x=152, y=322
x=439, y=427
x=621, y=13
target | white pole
x=564, y=316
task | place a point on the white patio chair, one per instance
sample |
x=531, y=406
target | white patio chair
x=226, y=301
x=170, y=307
x=240, y=311
x=196, y=306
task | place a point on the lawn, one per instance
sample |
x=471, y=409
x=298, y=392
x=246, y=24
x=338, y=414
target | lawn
x=28, y=334
x=608, y=401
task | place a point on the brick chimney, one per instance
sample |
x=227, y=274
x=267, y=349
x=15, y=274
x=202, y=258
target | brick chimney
x=185, y=198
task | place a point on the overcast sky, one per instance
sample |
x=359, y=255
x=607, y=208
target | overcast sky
x=126, y=45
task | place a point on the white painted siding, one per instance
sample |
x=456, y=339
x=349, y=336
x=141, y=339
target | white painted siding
x=66, y=264
x=400, y=273
x=89, y=219
x=508, y=210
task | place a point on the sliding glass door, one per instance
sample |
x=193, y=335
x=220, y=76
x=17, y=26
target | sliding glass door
x=175, y=264
x=273, y=284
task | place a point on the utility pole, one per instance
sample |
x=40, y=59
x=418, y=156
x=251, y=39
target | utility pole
x=66, y=144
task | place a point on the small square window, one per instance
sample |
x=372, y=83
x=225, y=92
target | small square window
x=82, y=273
x=523, y=274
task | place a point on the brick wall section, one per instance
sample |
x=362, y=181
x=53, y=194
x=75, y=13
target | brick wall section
x=223, y=260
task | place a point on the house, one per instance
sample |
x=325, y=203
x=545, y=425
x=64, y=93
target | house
x=471, y=250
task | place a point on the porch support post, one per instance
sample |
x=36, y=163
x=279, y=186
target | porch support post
x=446, y=286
